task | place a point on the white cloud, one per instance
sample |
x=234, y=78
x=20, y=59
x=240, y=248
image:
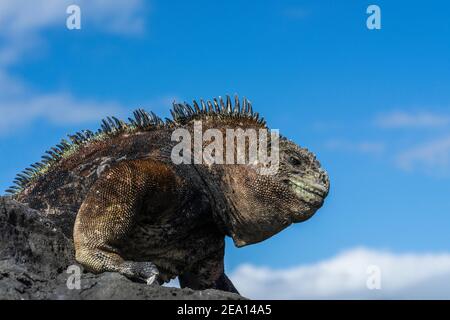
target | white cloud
x=401, y=119
x=10, y=87
x=19, y=17
x=19, y=107
x=22, y=24
x=115, y=16
x=345, y=276
x=432, y=157
x=368, y=147
x=57, y=108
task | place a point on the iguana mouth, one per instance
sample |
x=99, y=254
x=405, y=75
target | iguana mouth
x=309, y=191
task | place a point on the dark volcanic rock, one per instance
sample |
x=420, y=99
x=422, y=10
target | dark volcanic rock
x=36, y=251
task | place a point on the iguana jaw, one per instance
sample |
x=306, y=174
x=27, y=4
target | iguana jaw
x=248, y=232
x=239, y=242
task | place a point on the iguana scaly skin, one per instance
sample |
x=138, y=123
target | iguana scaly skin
x=139, y=214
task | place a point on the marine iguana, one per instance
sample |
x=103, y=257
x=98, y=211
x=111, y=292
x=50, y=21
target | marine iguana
x=139, y=214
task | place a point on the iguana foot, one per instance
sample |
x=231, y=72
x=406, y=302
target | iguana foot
x=141, y=271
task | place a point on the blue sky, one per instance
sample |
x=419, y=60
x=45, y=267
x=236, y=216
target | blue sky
x=374, y=105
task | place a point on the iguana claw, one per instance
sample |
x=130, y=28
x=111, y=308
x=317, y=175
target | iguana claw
x=151, y=280
x=141, y=271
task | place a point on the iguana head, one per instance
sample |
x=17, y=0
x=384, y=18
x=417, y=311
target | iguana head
x=248, y=206
x=263, y=205
x=256, y=206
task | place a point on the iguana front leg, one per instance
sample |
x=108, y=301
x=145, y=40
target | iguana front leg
x=108, y=213
x=208, y=274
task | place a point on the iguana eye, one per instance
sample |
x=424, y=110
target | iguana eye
x=294, y=161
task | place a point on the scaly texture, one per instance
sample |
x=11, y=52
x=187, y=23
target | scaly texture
x=139, y=214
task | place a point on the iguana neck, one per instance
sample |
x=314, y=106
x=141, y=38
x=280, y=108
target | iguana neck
x=221, y=208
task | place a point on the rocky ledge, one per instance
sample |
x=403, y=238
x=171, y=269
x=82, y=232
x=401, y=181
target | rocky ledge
x=36, y=253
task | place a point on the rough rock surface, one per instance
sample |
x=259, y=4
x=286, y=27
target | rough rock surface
x=36, y=250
